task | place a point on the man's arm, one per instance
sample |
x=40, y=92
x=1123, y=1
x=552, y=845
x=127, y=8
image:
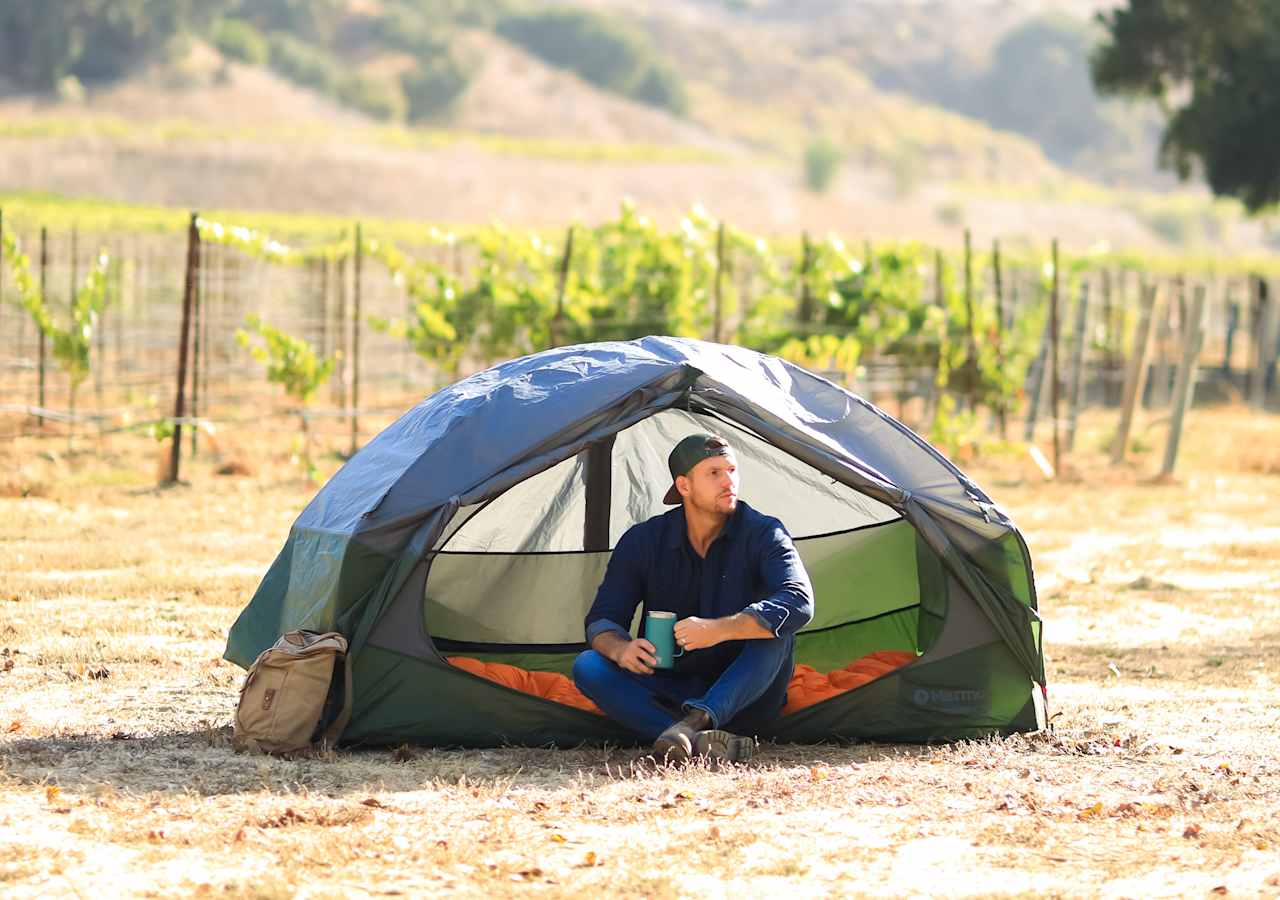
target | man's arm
x=616, y=600
x=788, y=602
x=786, y=608
x=697, y=633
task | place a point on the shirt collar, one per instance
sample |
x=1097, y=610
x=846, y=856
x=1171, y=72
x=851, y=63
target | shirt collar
x=678, y=529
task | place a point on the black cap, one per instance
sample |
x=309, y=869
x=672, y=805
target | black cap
x=687, y=454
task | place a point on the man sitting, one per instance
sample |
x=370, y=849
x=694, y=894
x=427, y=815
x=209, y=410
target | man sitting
x=740, y=593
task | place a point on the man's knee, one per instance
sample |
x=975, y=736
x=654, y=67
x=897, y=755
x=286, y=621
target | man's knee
x=590, y=669
x=772, y=653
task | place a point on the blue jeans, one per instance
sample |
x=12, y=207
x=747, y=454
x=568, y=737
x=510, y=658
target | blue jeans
x=747, y=696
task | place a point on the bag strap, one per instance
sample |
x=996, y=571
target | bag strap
x=338, y=725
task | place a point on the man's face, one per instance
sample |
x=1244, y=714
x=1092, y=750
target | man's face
x=712, y=485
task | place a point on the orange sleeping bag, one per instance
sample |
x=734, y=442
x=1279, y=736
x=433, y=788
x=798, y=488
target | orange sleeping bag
x=547, y=685
x=808, y=686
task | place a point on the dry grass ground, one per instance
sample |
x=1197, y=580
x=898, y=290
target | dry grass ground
x=1159, y=778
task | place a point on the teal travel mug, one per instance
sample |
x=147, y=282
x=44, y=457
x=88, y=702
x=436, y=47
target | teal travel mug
x=659, y=630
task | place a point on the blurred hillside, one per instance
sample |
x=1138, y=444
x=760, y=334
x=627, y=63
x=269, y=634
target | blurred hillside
x=876, y=118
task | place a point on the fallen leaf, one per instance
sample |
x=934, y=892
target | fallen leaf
x=52, y=792
x=1191, y=831
x=372, y=801
x=1095, y=810
x=558, y=838
x=15, y=725
x=1219, y=889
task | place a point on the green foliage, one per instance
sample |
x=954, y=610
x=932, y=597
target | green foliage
x=377, y=97
x=95, y=40
x=237, y=39
x=601, y=49
x=70, y=345
x=822, y=160
x=302, y=62
x=291, y=362
x=309, y=20
x=662, y=86
x=432, y=88
x=1212, y=67
x=1046, y=57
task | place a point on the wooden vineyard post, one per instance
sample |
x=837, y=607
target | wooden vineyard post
x=197, y=353
x=1185, y=387
x=1135, y=375
x=40, y=359
x=806, y=298
x=323, y=264
x=940, y=300
x=1161, y=366
x=1077, y=364
x=1053, y=357
x=355, y=343
x=1, y=270
x=1107, y=319
x=99, y=334
x=970, y=382
x=562, y=281
x=1001, y=410
x=717, y=333
x=1038, y=376
x=1264, y=340
x=1232, y=313
x=188, y=298
x=71, y=309
x=339, y=394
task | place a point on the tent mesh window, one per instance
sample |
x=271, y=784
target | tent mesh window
x=512, y=578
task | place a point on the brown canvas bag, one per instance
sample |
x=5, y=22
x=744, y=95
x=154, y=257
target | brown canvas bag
x=290, y=700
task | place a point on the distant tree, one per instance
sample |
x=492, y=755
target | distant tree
x=432, y=88
x=600, y=48
x=237, y=39
x=381, y=98
x=663, y=87
x=1038, y=85
x=95, y=40
x=301, y=62
x=314, y=20
x=822, y=160
x=1212, y=67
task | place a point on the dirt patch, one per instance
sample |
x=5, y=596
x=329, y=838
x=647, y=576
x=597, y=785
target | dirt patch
x=1159, y=778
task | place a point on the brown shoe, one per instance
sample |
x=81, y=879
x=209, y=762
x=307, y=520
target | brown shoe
x=723, y=746
x=676, y=743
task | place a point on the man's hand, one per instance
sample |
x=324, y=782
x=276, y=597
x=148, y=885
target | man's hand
x=697, y=633
x=637, y=656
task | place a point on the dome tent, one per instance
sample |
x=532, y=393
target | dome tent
x=481, y=521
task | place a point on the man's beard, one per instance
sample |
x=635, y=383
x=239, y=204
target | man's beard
x=714, y=507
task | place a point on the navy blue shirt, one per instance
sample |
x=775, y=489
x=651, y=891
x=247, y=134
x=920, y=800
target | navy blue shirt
x=751, y=566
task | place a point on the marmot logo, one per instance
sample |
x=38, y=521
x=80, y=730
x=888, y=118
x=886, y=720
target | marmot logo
x=947, y=697
x=268, y=698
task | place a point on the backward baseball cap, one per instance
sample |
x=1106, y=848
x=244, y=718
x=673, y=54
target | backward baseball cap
x=687, y=454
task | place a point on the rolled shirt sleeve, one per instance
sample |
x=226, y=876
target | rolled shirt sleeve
x=788, y=602
x=620, y=592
